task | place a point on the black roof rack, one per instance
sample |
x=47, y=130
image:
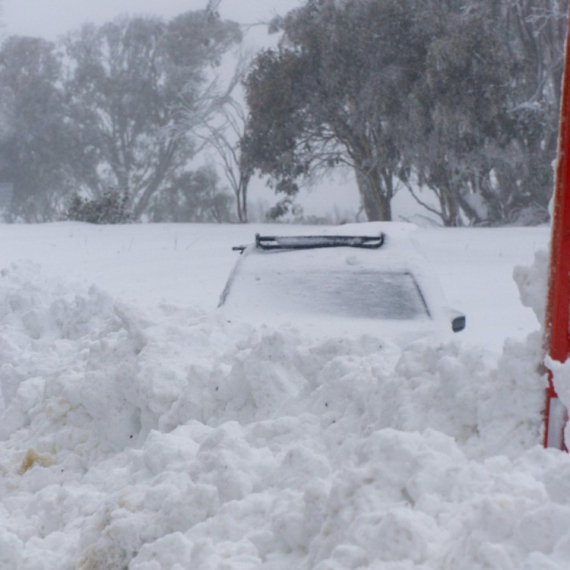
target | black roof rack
x=311, y=242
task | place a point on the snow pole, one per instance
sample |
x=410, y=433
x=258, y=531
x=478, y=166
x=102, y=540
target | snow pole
x=557, y=324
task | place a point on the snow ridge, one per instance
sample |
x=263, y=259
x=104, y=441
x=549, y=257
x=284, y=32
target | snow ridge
x=123, y=446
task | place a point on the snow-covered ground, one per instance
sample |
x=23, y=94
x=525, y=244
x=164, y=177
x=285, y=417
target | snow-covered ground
x=140, y=430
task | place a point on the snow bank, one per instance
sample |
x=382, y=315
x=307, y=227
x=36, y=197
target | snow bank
x=532, y=282
x=168, y=438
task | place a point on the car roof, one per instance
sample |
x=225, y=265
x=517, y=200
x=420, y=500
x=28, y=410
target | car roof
x=375, y=246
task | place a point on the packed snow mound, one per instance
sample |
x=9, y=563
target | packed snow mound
x=532, y=282
x=167, y=438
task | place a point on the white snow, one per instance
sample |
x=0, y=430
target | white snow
x=140, y=429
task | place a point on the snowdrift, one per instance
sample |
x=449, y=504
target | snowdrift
x=161, y=437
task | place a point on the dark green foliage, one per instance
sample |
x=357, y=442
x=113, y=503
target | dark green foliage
x=284, y=207
x=111, y=208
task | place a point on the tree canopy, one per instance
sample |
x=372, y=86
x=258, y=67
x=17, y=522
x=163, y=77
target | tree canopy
x=131, y=80
x=454, y=97
x=456, y=101
x=34, y=133
x=334, y=92
x=100, y=112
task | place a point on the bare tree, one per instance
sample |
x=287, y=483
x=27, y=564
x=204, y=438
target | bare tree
x=222, y=131
x=225, y=139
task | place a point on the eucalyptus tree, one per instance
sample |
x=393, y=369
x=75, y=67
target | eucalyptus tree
x=536, y=32
x=335, y=93
x=490, y=103
x=130, y=82
x=458, y=99
x=37, y=145
x=458, y=114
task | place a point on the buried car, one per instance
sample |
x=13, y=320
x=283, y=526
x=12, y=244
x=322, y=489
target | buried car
x=357, y=278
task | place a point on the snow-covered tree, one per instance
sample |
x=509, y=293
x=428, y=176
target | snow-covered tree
x=131, y=81
x=459, y=117
x=37, y=145
x=536, y=32
x=458, y=98
x=334, y=93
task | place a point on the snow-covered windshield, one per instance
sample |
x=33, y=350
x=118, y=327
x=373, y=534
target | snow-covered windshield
x=342, y=293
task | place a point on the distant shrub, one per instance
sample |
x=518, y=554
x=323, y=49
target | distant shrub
x=110, y=208
x=194, y=197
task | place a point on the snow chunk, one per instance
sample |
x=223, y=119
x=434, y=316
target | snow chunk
x=174, y=439
x=533, y=284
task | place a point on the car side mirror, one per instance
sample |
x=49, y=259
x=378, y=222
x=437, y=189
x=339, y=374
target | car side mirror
x=458, y=323
x=457, y=318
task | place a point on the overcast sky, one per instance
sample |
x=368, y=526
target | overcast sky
x=52, y=18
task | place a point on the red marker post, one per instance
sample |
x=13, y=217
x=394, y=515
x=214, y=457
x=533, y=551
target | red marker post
x=557, y=326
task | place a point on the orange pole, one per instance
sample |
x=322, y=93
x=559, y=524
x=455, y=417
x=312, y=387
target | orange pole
x=557, y=326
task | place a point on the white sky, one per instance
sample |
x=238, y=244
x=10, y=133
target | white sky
x=51, y=18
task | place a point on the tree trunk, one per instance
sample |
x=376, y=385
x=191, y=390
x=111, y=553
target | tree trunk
x=166, y=156
x=241, y=197
x=375, y=199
